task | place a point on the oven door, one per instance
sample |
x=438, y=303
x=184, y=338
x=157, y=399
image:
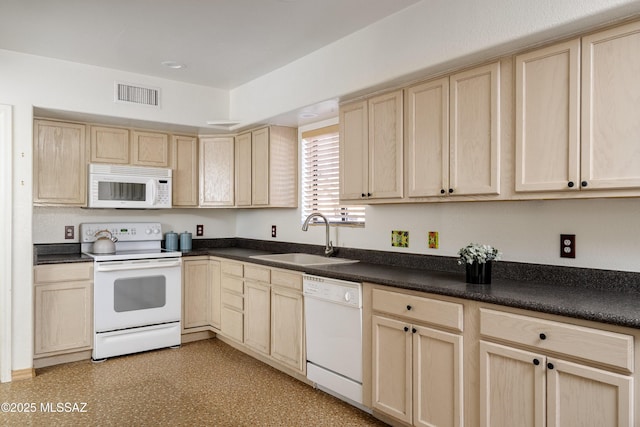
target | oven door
x=135, y=293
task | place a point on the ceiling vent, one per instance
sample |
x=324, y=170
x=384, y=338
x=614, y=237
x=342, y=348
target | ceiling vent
x=129, y=93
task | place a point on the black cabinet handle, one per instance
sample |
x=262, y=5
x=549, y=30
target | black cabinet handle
x=442, y=191
x=363, y=195
x=543, y=336
x=450, y=190
x=406, y=329
x=369, y=194
x=536, y=362
x=550, y=365
x=570, y=184
x=414, y=330
x=409, y=307
x=584, y=183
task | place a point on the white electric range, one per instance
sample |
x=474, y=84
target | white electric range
x=137, y=290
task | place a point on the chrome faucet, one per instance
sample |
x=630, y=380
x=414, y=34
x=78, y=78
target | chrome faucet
x=328, y=249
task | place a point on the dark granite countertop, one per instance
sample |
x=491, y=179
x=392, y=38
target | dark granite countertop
x=603, y=296
x=608, y=306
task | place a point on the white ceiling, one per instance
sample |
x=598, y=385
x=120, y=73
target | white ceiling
x=222, y=43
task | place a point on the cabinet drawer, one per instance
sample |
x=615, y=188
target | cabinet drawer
x=63, y=272
x=287, y=279
x=426, y=310
x=259, y=274
x=233, y=300
x=232, y=269
x=233, y=284
x=609, y=348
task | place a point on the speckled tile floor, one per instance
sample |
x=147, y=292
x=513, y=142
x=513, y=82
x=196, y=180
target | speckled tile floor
x=205, y=383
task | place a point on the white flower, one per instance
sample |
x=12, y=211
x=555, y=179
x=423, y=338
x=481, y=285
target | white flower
x=475, y=252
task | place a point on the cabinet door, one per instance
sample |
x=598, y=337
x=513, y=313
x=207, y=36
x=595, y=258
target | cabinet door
x=512, y=387
x=109, y=145
x=548, y=118
x=257, y=319
x=196, y=294
x=354, y=151
x=243, y=169
x=392, y=369
x=437, y=378
x=150, y=149
x=578, y=395
x=610, y=94
x=260, y=167
x=474, y=135
x=427, y=150
x=287, y=328
x=185, y=171
x=63, y=317
x=217, y=171
x=385, y=146
x=59, y=163
x=216, y=296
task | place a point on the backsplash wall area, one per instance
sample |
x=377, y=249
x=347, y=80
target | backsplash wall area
x=607, y=233
x=49, y=223
x=607, y=230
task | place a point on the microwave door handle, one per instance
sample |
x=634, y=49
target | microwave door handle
x=154, y=190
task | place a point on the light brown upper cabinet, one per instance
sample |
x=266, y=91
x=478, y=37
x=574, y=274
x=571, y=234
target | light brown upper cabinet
x=548, y=118
x=576, y=114
x=266, y=167
x=109, y=145
x=243, y=169
x=474, y=131
x=59, y=163
x=610, y=98
x=150, y=149
x=185, y=171
x=427, y=138
x=371, y=148
x=217, y=171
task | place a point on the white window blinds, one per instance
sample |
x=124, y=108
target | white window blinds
x=321, y=178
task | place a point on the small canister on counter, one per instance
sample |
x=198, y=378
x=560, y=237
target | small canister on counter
x=185, y=242
x=171, y=241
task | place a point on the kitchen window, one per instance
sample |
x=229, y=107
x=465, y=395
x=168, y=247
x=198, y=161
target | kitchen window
x=321, y=178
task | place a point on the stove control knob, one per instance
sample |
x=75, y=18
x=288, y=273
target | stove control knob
x=347, y=296
x=156, y=231
x=148, y=231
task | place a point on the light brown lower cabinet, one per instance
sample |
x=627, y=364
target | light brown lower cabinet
x=417, y=373
x=416, y=367
x=527, y=388
x=200, y=294
x=287, y=328
x=535, y=386
x=257, y=322
x=63, y=307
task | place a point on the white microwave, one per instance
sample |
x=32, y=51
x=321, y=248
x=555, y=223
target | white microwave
x=130, y=187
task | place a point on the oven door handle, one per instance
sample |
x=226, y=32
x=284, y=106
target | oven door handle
x=135, y=265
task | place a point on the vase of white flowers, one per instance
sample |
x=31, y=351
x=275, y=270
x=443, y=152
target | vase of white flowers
x=477, y=260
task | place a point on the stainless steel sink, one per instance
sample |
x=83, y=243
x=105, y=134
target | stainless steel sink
x=303, y=260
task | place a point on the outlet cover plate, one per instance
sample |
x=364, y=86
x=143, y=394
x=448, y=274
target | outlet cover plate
x=567, y=246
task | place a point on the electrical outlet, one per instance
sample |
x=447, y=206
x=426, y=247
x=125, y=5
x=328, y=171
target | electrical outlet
x=69, y=232
x=200, y=230
x=273, y=231
x=567, y=246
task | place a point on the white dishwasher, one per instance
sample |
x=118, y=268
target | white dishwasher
x=333, y=325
